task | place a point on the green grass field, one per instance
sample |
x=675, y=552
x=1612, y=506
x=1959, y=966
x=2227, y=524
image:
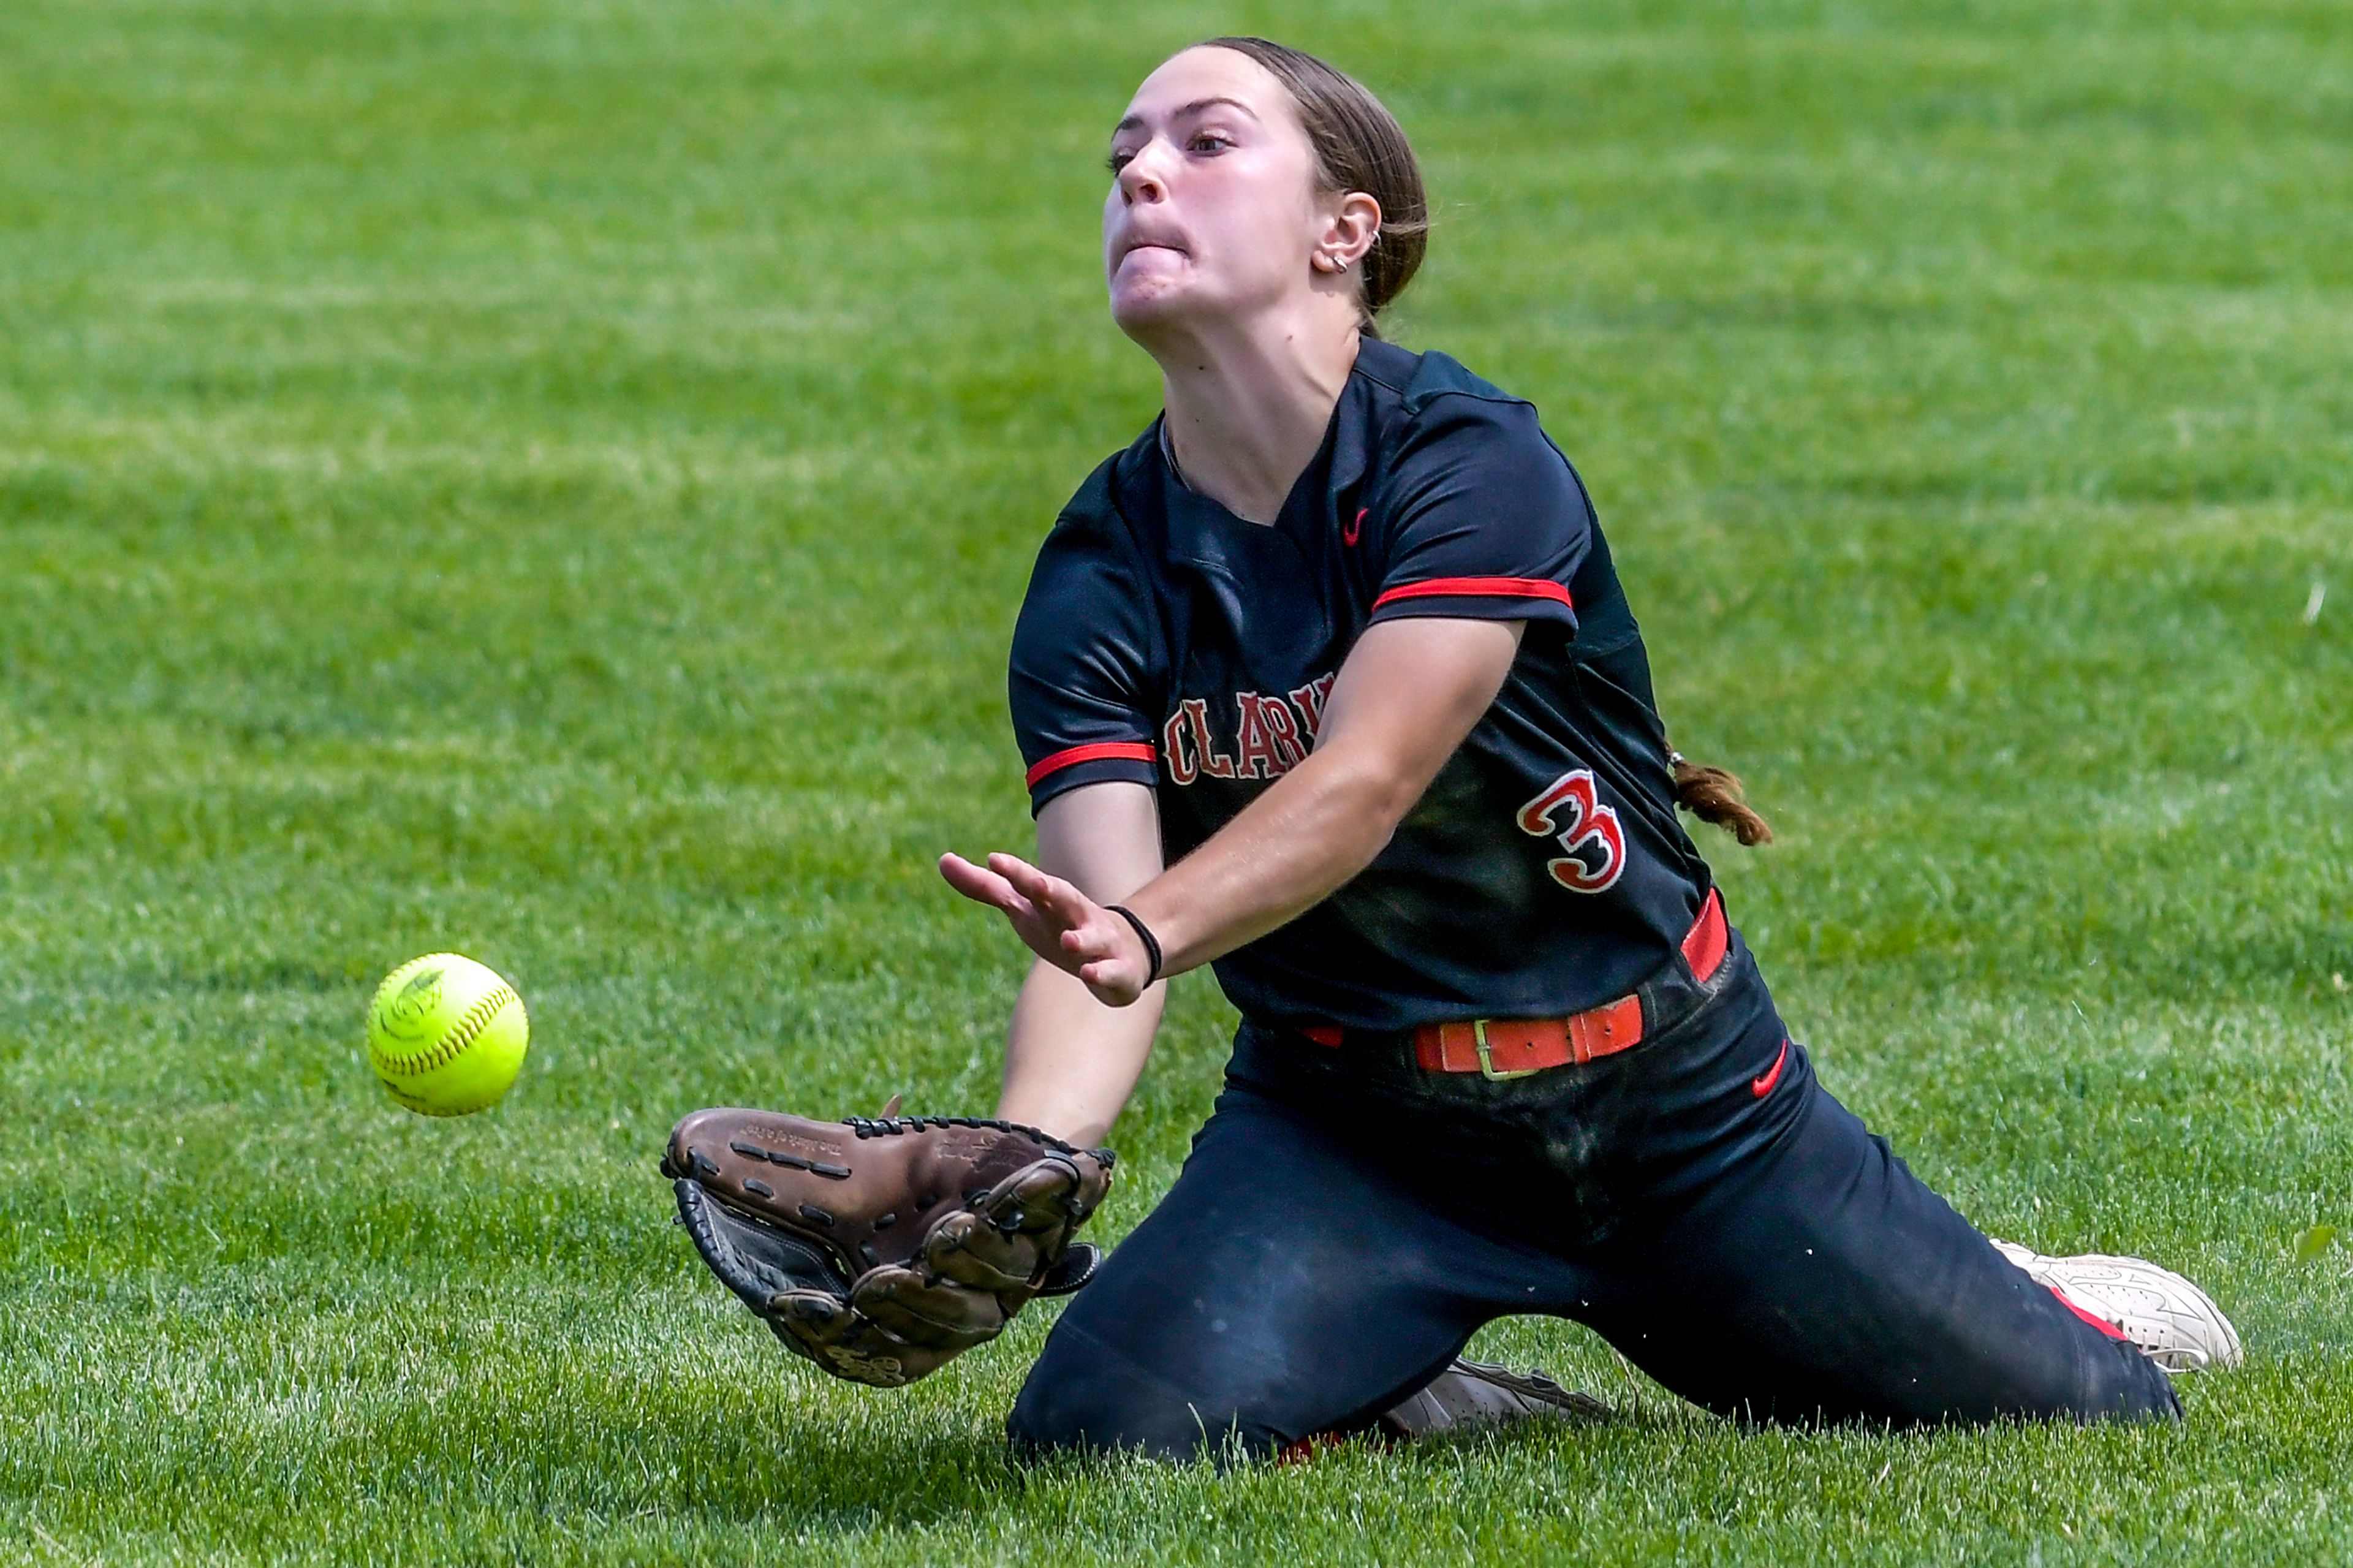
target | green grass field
x=553, y=480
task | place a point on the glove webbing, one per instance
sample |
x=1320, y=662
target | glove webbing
x=891, y=1126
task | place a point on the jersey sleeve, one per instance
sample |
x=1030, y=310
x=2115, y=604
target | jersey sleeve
x=1082, y=659
x=1484, y=518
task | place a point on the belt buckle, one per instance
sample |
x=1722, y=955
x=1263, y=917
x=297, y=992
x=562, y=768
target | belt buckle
x=1487, y=1068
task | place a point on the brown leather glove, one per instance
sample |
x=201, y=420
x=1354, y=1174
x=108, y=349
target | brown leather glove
x=880, y=1249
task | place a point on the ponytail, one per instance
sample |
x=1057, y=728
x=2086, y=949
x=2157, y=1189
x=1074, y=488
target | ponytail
x=1713, y=795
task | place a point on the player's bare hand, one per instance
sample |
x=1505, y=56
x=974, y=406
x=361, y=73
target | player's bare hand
x=1059, y=923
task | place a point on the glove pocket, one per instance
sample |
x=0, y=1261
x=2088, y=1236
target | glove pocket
x=755, y=1260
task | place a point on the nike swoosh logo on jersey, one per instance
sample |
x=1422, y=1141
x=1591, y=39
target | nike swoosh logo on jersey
x=1354, y=530
x=1761, y=1087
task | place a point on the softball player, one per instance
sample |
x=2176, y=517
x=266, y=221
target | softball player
x=1327, y=682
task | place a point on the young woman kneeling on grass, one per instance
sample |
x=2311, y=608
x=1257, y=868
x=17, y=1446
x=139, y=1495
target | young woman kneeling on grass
x=1327, y=682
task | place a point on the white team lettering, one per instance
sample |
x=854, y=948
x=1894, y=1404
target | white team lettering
x=1281, y=731
x=1255, y=738
x=1214, y=762
x=1180, y=750
x=1268, y=740
x=1309, y=700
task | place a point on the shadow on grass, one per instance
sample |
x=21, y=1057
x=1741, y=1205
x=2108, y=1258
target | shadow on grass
x=861, y=1480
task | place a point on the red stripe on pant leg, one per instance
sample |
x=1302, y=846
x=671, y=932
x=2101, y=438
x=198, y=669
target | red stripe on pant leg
x=2102, y=1324
x=1305, y=1451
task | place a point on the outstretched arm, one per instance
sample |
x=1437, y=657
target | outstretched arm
x=1406, y=697
x=1070, y=1061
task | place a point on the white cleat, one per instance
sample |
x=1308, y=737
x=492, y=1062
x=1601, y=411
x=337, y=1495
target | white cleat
x=2176, y=1325
x=1478, y=1392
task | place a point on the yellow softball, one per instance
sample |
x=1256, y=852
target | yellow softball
x=446, y=1034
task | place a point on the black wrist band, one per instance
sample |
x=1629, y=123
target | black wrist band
x=1142, y=934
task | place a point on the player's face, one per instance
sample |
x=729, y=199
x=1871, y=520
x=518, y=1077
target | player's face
x=1213, y=210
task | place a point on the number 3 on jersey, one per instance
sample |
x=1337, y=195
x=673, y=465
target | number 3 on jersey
x=1593, y=847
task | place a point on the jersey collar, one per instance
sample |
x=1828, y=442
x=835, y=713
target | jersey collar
x=1195, y=523
x=1379, y=365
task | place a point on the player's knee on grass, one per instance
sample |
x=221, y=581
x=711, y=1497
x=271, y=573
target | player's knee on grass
x=1084, y=1396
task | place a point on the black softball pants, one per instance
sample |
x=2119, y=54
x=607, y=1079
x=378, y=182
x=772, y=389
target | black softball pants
x=1346, y=1221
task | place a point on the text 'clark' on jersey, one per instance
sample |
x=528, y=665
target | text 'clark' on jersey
x=1166, y=642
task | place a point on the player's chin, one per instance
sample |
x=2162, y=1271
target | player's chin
x=1145, y=299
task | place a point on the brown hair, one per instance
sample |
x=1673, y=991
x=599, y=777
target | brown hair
x=1359, y=146
x=1713, y=795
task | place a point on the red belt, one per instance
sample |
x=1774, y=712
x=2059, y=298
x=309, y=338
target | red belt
x=1514, y=1047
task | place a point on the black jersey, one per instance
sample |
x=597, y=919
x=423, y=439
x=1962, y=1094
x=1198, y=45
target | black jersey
x=1167, y=642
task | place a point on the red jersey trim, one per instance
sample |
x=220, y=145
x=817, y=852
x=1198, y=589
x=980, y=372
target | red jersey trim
x=1478, y=588
x=1102, y=750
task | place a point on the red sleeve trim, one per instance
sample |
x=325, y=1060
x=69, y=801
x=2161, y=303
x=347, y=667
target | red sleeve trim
x=1478, y=588
x=1126, y=750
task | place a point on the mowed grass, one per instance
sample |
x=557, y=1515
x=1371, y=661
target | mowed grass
x=555, y=481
